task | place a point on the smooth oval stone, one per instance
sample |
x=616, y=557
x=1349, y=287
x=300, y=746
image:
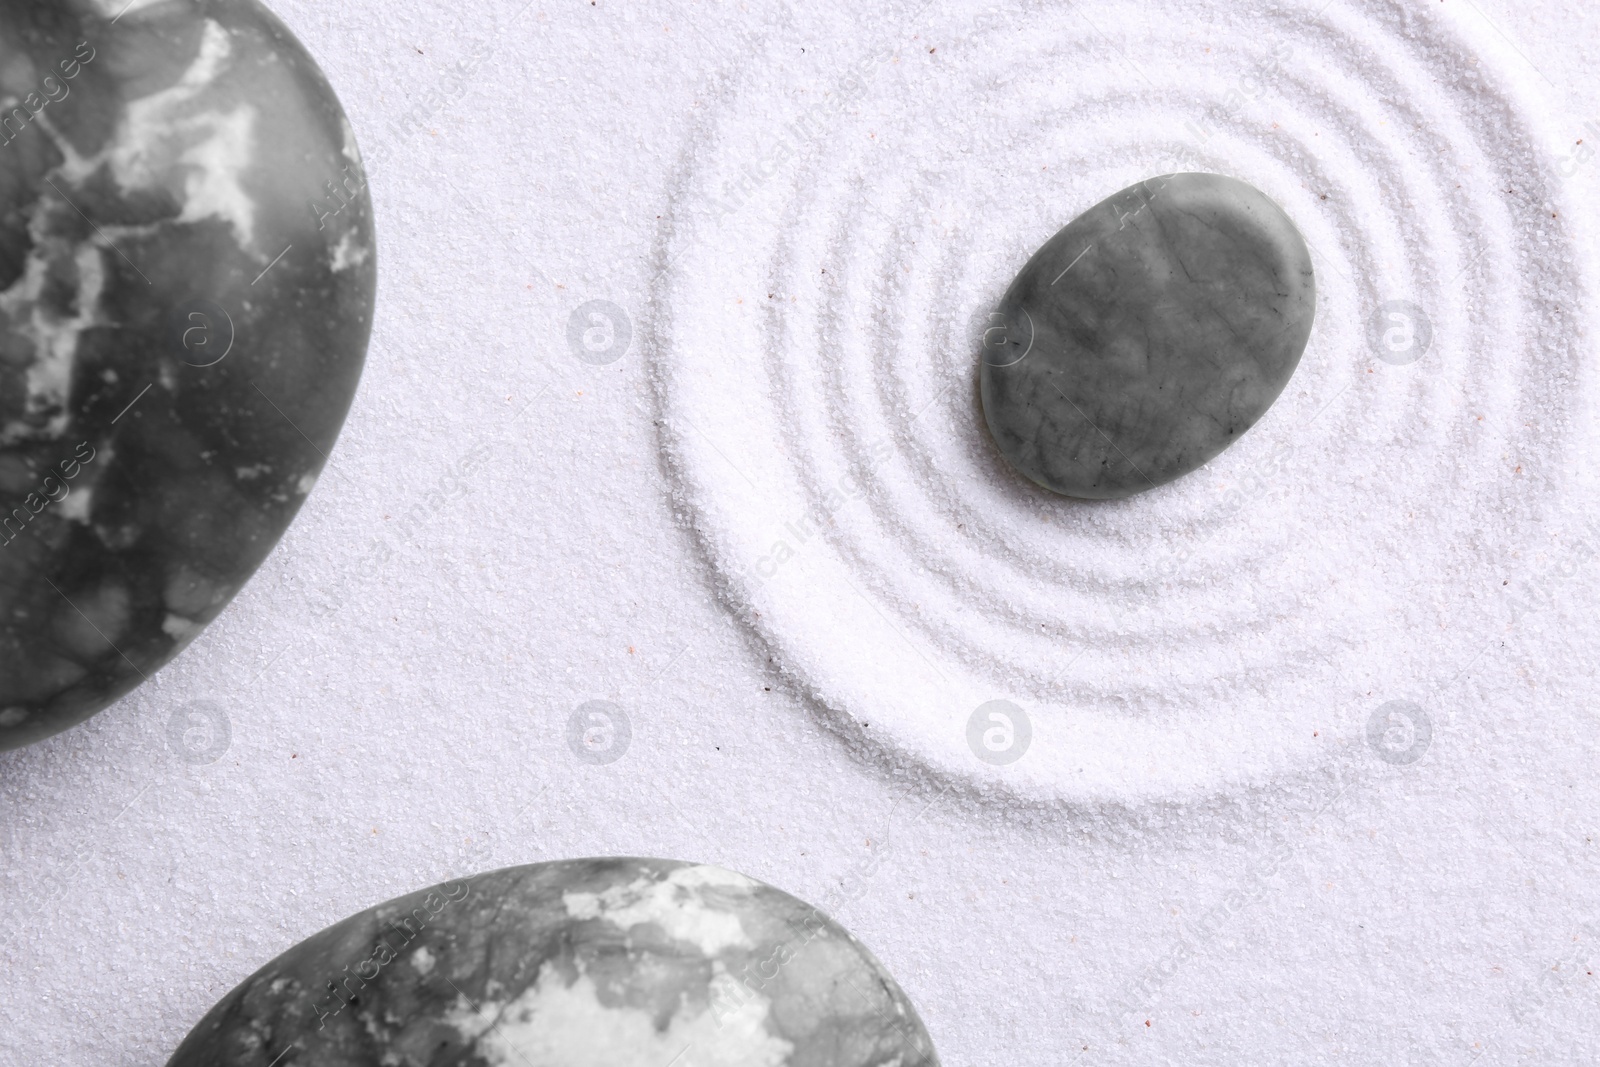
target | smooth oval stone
x=1147, y=335
x=580, y=963
x=186, y=291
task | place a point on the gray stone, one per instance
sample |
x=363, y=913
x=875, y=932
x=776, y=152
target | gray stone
x=186, y=290
x=1147, y=336
x=622, y=962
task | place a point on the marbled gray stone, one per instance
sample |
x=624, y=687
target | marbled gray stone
x=1147, y=335
x=580, y=963
x=186, y=290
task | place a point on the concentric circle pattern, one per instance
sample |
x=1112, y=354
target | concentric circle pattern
x=832, y=252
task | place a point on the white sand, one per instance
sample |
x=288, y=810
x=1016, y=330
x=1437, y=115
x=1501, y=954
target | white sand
x=1200, y=835
x=1213, y=633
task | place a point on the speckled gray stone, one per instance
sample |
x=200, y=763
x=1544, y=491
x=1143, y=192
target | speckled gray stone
x=580, y=963
x=1147, y=335
x=186, y=290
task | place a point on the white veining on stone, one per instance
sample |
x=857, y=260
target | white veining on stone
x=54, y=336
x=176, y=139
x=617, y=962
x=553, y=1024
x=673, y=903
x=175, y=164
